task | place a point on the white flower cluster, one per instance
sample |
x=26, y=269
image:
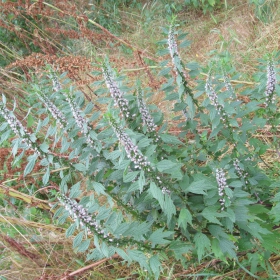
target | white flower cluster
x=229, y=86
x=172, y=44
x=79, y=119
x=56, y=84
x=132, y=152
x=115, y=92
x=173, y=50
x=81, y=122
x=78, y=212
x=270, y=85
x=211, y=93
x=222, y=185
x=239, y=171
x=146, y=116
x=56, y=113
x=18, y=128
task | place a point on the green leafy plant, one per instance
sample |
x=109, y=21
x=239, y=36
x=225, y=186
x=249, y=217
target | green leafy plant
x=205, y=5
x=264, y=9
x=133, y=188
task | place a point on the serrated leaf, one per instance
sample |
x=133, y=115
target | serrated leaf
x=155, y=266
x=130, y=176
x=121, y=229
x=88, y=108
x=210, y=214
x=168, y=207
x=45, y=121
x=172, y=96
x=98, y=187
x=165, y=165
x=69, y=232
x=83, y=246
x=46, y=176
x=185, y=43
x=157, y=194
x=78, y=239
x=158, y=237
x=3, y=126
x=75, y=190
x=236, y=184
x=170, y=139
x=145, y=142
x=198, y=187
x=139, y=257
x=114, y=155
x=58, y=212
x=123, y=255
x=182, y=36
x=61, y=220
x=104, y=249
x=164, y=71
x=217, y=231
x=80, y=167
x=202, y=243
x=184, y=218
x=227, y=247
x=30, y=165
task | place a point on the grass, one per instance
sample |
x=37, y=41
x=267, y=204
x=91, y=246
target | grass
x=236, y=30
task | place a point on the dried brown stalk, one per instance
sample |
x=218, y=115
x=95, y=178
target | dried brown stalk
x=21, y=250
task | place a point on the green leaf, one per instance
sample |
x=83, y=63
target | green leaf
x=88, y=108
x=80, y=167
x=30, y=165
x=202, y=243
x=172, y=96
x=155, y=266
x=145, y=142
x=75, y=190
x=83, y=246
x=44, y=147
x=139, y=257
x=46, y=176
x=165, y=165
x=45, y=121
x=157, y=194
x=141, y=180
x=170, y=139
x=182, y=36
x=30, y=120
x=236, y=184
x=58, y=212
x=184, y=218
x=227, y=247
x=105, y=249
x=98, y=187
x=130, y=176
x=210, y=214
x=69, y=232
x=164, y=71
x=168, y=207
x=123, y=255
x=78, y=239
x=199, y=187
x=113, y=155
x=185, y=43
x=217, y=232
